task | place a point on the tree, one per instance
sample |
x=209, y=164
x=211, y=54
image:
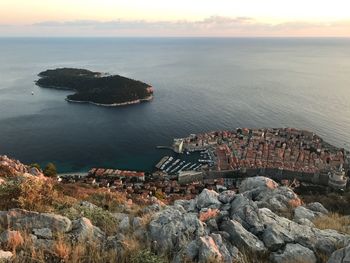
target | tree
x=50, y=170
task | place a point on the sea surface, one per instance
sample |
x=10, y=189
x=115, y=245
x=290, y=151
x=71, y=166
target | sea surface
x=201, y=84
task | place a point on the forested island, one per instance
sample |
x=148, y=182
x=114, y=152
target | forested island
x=96, y=87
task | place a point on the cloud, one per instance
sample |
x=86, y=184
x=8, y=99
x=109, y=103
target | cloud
x=211, y=26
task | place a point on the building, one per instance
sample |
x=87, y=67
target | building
x=337, y=179
x=178, y=145
x=187, y=177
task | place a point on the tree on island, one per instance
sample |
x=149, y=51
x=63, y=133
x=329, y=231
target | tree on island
x=50, y=170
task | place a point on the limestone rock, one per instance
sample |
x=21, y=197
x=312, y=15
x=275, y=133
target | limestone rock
x=340, y=256
x=227, y=196
x=5, y=255
x=272, y=240
x=241, y=238
x=246, y=212
x=83, y=230
x=257, y=182
x=208, y=198
x=44, y=233
x=317, y=207
x=208, y=250
x=294, y=253
x=302, y=212
x=19, y=219
x=170, y=229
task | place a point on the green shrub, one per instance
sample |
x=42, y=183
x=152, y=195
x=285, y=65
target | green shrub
x=146, y=256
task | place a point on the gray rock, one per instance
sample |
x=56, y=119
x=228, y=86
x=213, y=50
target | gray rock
x=44, y=233
x=212, y=225
x=228, y=252
x=19, y=219
x=137, y=223
x=340, y=256
x=304, y=221
x=303, y=213
x=317, y=207
x=170, y=229
x=278, y=200
x=120, y=216
x=320, y=241
x=5, y=255
x=246, y=212
x=227, y=196
x=208, y=250
x=261, y=182
x=208, y=198
x=124, y=225
x=84, y=230
x=241, y=238
x=272, y=240
x=294, y=253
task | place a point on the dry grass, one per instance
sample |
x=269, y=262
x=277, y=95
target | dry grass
x=333, y=221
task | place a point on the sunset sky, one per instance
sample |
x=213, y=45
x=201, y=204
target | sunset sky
x=175, y=18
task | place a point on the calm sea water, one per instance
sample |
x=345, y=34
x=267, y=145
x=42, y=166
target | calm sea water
x=200, y=85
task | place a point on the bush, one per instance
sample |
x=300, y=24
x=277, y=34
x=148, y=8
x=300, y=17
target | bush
x=31, y=194
x=146, y=256
x=50, y=170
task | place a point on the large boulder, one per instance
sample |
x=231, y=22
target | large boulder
x=259, y=182
x=83, y=230
x=44, y=233
x=208, y=250
x=294, y=253
x=242, y=238
x=272, y=239
x=170, y=229
x=320, y=241
x=19, y=219
x=302, y=212
x=246, y=212
x=227, y=196
x=279, y=200
x=340, y=256
x=208, y=199
x=5, y=256
x=317, y=207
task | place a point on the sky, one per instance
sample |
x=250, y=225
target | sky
x=224, y=18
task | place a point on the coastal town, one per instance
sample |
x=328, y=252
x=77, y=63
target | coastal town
x=289, y=155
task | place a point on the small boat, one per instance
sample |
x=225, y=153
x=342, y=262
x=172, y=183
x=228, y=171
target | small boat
x=32, y=92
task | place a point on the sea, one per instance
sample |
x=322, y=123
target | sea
x=201, y=84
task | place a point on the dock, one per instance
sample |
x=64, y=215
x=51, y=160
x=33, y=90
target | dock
x=161, y=162
x=164, y=147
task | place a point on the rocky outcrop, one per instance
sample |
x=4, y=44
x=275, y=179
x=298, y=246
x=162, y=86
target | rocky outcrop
x=294, y=253
x=340, y=256
x=10, y=167
x=19, y=219
x=5, y=255
x=216, y=227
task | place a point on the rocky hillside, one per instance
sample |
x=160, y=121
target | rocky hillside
x=11, y=168
x=225, y=227
x=263, y=222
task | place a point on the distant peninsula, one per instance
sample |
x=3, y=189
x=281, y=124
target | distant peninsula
x=95, y=87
